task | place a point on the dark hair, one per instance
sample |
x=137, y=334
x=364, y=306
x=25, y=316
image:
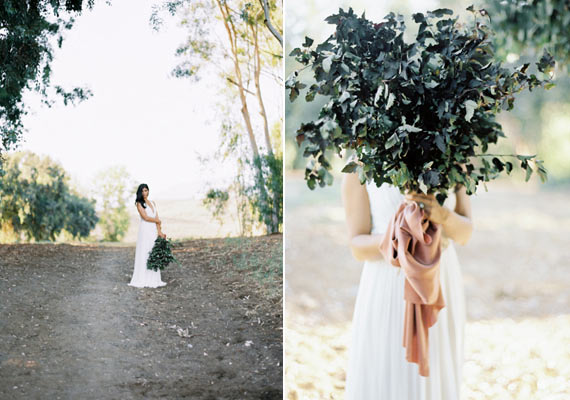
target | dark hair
x=140, y=198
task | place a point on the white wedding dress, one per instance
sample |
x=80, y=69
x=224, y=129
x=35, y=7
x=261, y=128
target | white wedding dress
x=143, y=277
x=377, y=368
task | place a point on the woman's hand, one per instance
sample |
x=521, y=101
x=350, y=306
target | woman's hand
x=162, y=235
x=434, y=212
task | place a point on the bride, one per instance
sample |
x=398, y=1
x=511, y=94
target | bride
x=149, y=229
x=377, y=366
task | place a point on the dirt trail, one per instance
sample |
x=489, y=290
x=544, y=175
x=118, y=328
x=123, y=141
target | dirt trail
x=71, y=327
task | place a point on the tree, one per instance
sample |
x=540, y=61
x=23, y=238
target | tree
x=267, y=20
x=534, y=25
x=37, y=201
x=111, y=191
x=225, y=35
x=27, y=28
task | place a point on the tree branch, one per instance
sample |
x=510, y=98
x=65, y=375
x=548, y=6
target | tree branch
x=268, y=23
x=230, y=80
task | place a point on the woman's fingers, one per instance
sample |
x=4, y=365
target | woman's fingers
x=426, y=201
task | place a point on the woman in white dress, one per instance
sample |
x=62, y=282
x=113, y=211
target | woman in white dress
x=149, y=229
x=378, y=368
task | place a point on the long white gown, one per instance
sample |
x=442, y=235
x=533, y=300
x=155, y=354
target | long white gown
x=377, y=363
x=143, y=277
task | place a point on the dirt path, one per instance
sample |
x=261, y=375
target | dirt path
x=71, y=327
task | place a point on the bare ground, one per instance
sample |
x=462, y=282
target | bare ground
x=71, y=327
x=516, y=277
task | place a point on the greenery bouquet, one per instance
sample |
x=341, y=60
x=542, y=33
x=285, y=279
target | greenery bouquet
x=160, y=255
x=419, y=115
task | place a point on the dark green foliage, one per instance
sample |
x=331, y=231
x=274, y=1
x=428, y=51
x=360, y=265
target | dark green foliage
x=36, y=200
x=161, y=255
x=266, y=194
x=418, y=115
x=532, y=25
x=26, y=28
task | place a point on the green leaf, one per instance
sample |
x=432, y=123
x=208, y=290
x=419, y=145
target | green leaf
x=431, y=84
x=392, y=140
x=470, y=107
x=390, y=101
x=440, y=12
x=440, y=143
x=528, y=173
x=327, y=62
x=410, y=128
x=525, y=158
x=378, y=93
x=308, y=42
x=350, y=167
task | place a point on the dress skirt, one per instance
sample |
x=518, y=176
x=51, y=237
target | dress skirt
x=378, y=369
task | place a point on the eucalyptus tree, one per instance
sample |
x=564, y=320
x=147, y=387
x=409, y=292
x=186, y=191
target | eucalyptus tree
x=230, y=38
x=28, y=30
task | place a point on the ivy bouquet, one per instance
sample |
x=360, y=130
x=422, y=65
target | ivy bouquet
x=160, y=255
x=419, y=115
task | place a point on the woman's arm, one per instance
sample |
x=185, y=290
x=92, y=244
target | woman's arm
x=143, y=215
x=363, y=245
x=159, y=223
x=457, y=224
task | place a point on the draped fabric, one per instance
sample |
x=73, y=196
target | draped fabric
x=413, y=243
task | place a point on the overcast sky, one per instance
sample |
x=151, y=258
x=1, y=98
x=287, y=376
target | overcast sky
x=140, y=116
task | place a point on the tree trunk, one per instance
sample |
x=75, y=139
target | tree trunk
x=232, y=36
x=256, y=73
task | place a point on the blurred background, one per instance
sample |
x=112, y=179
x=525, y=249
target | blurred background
x=515, y=267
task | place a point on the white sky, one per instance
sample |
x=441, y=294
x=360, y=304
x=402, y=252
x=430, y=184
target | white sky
x=139, y=116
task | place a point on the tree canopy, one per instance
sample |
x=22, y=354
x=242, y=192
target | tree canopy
x=27, y=31
x=534, y=25
x=38, y=201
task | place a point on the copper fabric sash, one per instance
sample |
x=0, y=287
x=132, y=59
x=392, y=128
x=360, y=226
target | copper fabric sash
x=412, y=242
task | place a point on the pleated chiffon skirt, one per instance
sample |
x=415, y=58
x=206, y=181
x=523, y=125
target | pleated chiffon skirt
x=378, y=369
